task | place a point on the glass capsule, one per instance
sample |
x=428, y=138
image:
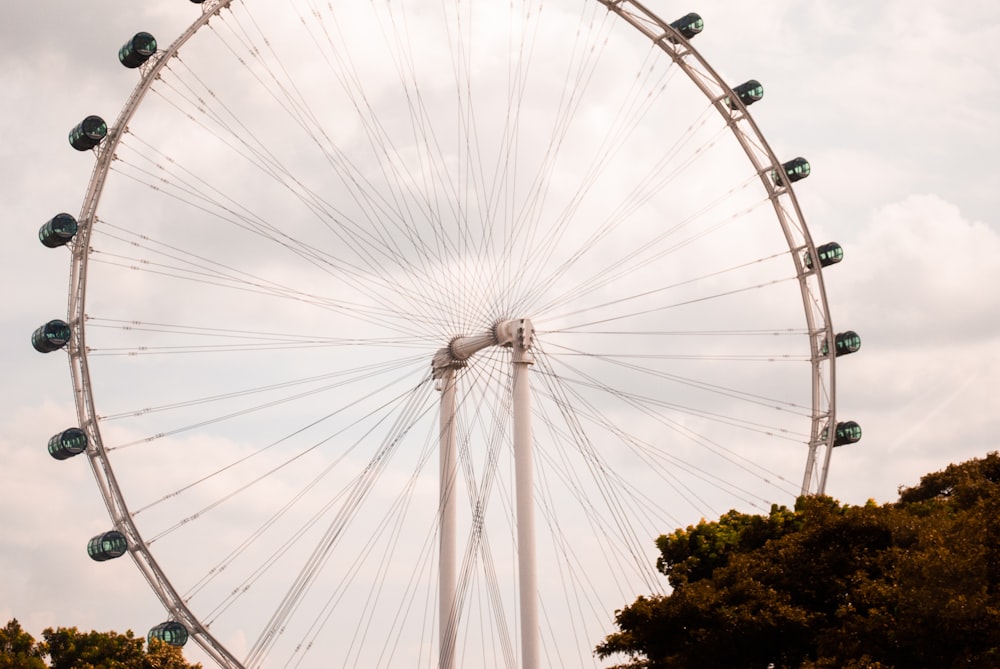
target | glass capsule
x=88, y=133
x=107, y=546
x=795, y=169
x=68, y=443
x=688, y=25
x=51, y=337
x=58, y=230
x=137, y=50
x=171, y=632
x=748, y=92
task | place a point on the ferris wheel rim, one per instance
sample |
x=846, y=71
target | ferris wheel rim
x=811, y=288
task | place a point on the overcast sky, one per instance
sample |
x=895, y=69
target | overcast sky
x=896, y=105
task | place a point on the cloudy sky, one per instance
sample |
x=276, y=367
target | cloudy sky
x=896, y=108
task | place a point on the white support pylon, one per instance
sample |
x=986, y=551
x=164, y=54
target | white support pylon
x=447, y=538
x=524, y=481
x=519, y=336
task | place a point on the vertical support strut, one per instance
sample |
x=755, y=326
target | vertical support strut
x=447, y=542
x=517, y=335
x=524, y=475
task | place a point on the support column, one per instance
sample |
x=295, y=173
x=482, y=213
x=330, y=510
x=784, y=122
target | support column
x=518, y=335
x=447, y=538
x=524, y=475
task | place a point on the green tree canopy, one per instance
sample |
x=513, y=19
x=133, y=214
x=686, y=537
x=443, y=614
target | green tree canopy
x=68, y=648
x=18, y=649
x=910, y=584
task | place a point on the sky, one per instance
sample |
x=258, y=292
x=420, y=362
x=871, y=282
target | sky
x=896, y=105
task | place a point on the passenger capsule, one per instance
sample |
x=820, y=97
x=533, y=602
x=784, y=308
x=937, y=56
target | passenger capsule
x=848, y=432
x=68, y=443
x=107, y=546
x=58, y=231
x=170, y=632
x=51, y=337
x=90, y=132
x=688, y=25
x=796, y=169
x=137, y=50
x=748, y=93
x=829, y=254
x=845, y=342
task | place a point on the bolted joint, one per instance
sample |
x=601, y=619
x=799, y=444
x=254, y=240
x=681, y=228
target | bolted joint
x=520, y=335
x=442, y=361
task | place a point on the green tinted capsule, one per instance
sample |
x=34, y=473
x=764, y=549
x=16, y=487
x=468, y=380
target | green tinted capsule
x=58, y=231
x=688, y=25
x=170, y=632
x=68, y=443
x=847, y=432
x=795, y=169
x=107, y=546
x=748, y=93
x=90, y=132
x=137, y=50
x=828, y=254
x=847, y=342
x=51, y=337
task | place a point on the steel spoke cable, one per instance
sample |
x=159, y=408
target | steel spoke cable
x=324, y=262
x=477, y=547
x=378, y=312
x=323, y=549
x=285, y=463
x=638, y=445
x=401, y=207
x=609, y=147
x=366, y=371
x=703, y=278
x=627, y=119
x=529, y=214
x=619, y=218
x=273, y=559
x=320, y=209
x=653, y=402
x=645, y=254
x=565, y=435
x=674, y=305
x=558, y=352
x=379, y=139
x=599, y=471
x=175, y=493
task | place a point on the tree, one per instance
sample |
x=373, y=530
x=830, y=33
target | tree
x=823, y=586
x=68, y=648
x=18, y=649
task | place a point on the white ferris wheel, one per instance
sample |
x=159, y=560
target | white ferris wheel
x=399, y=331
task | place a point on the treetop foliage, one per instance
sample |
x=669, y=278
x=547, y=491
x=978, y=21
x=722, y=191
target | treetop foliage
x=68, y=648
x=831, y=586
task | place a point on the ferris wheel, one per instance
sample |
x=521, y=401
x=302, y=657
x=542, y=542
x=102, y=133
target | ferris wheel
x=399, y=331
